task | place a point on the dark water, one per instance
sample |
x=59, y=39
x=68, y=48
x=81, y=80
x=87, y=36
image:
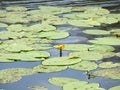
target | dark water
x=41, y=79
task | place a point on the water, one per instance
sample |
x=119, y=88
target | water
x=41, y=79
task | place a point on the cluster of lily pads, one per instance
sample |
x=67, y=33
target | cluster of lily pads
x=28, y=33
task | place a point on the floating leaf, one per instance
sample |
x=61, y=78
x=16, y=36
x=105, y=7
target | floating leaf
x=107, y=20
x=61, y=81
x=77, y=47
x=108, y=65
x=13, y=74
x=3, y=25
x=4, y=59
x=114, y=88
x=97, y=10
x=44, y=68
x=81, y=23
x=101, y=48
x=84, y=65
x=108, y=73
x=80, y=15
x=41, y=27
x=106, y=40
x=82, y=85
x=85, y=55
x=96, y=32
x=53, y=34
x=61, y=61
x=16, y=8
x=118, y=54
x=37, y=87
x=17, y=47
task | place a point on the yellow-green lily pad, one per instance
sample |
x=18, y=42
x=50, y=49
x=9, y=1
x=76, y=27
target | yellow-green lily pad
x=16, y=8
x=17, y=47
x=96, y=32
x=106, y=41
x=86, y=55
x=13, y=74
x=113, y=73
x=53, y=35
x=45, y=68
x=84, y=65
x=61, y=61
x=82, y=85
x=37, y=87
x=3, y=25
x=108, y=65
x=61, y=81
x=114, y=88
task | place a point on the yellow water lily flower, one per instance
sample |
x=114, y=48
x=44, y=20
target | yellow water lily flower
x=60, y=46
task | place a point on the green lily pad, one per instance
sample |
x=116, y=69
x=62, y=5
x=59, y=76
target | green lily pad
x=84, y=65
x=53, y=35
x=13, y=74
x=44, y=68
x=17, y=47
x=96, y=32
x=41, y=27
x=84, y=23
x=16, y=8
x=80, y=15
x=97, y=10
x=3, y=25
x=15, y=27
x=61, y=61
x=108, y=73
x=86, y=47
x=107, y=20
x=85, y=55
x=106, y=40
x=37, y=87
x=82, y=85
x=118, y=54
x=40, y=46
x=114, y=88
x=108, y=65
x=77, y=47
x=54, y=10
x=4, y=59
x=101, y=48
x=61, y=81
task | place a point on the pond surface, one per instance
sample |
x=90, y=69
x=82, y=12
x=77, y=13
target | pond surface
x=76, y=37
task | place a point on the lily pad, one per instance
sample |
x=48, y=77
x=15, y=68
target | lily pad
x=77, y=47
x=85, y=55
x=118, y=54
x=114, y=88
x=3, y=25
x=37, y=87
x=61, y=61
x=13, y=74
x=84, y=65
x=106, y=41
x=97, y=10
x=17, y=47
x=16, y=8
x=96, y=32
x=108, y=65
x=4, y=59
x=82, y=85
x=108, y=73
x=53, y=35
x=83, y=23
x=41, y=27
x=44, y=68
x=80, y=15
x=61, y=81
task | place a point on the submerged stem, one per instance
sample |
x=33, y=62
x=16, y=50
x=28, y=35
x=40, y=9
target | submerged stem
x=60, y=52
